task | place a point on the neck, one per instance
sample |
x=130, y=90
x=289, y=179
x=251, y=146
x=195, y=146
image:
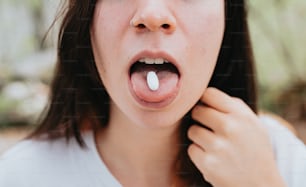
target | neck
x=138, y=152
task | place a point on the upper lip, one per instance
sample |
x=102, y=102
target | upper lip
x=155, y=54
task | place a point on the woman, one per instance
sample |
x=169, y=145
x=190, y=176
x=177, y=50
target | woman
x=153, y=93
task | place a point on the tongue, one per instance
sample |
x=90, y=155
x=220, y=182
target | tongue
x=167, y=86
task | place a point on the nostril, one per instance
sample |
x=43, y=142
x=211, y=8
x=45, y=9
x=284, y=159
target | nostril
x=141, y=26
x=165, y=26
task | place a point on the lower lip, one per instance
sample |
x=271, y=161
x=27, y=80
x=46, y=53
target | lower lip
x=154, y=105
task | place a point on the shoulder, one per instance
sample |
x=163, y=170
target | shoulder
x=38, y=150
x=290, y=152
x=32, y=162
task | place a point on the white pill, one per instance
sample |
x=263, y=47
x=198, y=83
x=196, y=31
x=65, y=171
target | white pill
x=152, y=81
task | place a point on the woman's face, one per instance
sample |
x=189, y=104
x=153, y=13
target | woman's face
x=182, y=38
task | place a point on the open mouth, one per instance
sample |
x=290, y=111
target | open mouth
x=154, y=80
x=156, y=65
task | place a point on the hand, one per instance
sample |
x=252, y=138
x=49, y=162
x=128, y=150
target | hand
x=237, y=150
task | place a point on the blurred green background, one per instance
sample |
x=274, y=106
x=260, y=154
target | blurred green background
x=278, y=31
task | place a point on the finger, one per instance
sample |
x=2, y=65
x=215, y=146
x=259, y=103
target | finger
x=198, y=157
x=204, y=138
x=211, y=118
x=217, y=99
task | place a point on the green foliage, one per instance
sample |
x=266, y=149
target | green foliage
x=279, y=39
x=6, y=106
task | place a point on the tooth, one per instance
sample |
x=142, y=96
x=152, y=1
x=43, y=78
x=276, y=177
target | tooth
x=152, y=81
x=149, y=61
x=159, y=61
x=142, y=60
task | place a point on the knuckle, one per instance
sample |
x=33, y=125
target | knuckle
x=209, y=161
x=230, y=127
x=241, y=106
x=219, y=145
x=238, y=100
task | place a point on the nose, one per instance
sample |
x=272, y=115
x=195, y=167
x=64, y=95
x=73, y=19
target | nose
x=154, y=15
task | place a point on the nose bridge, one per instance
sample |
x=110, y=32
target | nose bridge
x=154, y=15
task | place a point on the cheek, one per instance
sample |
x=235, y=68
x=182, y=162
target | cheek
x=207, y=38
x=104, y=38
x=107, y=27
x=207, y=42
x=208, y=33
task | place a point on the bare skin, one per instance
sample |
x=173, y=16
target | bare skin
x=139, y=144
x=139, y=156
x=237, y=152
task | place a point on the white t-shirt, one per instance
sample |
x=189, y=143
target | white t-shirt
x=33, y=163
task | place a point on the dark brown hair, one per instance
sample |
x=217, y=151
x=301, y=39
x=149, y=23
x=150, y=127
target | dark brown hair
x=77, y=93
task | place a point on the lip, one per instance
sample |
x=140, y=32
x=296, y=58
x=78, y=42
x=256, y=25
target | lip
x=155, y=54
